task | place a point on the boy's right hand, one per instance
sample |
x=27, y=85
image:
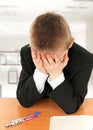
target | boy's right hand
x=38, y=61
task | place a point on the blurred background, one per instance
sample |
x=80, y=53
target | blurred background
x=16, y=17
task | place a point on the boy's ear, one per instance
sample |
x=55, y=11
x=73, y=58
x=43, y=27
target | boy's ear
x=72, y=42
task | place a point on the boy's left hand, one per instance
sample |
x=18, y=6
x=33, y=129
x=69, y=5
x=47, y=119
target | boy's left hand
x=54, y=66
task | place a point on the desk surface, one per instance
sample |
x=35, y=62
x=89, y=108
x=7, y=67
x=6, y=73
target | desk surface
x=10, y=109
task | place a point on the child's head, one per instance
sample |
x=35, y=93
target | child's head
x=50, y=32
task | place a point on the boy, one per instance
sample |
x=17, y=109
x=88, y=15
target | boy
x=53, y=65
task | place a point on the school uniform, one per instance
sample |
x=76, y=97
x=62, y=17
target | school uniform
x=69, y=93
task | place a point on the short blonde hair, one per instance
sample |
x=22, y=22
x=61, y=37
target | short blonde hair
x=48, y=29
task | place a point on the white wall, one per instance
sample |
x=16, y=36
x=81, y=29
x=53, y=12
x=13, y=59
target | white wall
x=13, y=42
x=78, y=30
x=89, y=35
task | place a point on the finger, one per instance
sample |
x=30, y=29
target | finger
x=45, y=61
x=40, y=62
x=57, y=59
x=49, y=59
x=33, y=54
x=38, y=57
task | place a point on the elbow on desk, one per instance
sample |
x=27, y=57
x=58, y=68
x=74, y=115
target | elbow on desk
x=70, y=109
x=25, y=103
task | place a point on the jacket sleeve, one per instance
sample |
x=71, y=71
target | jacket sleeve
x=27, y=93
x=70, y=94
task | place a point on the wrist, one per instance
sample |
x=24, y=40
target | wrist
x=42, y=71
x=54, y=76
x=57, y=81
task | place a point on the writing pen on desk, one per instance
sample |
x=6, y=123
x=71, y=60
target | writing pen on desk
x=20, y=120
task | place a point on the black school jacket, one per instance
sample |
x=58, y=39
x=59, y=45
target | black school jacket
x=70, y=94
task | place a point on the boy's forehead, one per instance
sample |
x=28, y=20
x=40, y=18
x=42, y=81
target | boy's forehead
x=57, y=51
